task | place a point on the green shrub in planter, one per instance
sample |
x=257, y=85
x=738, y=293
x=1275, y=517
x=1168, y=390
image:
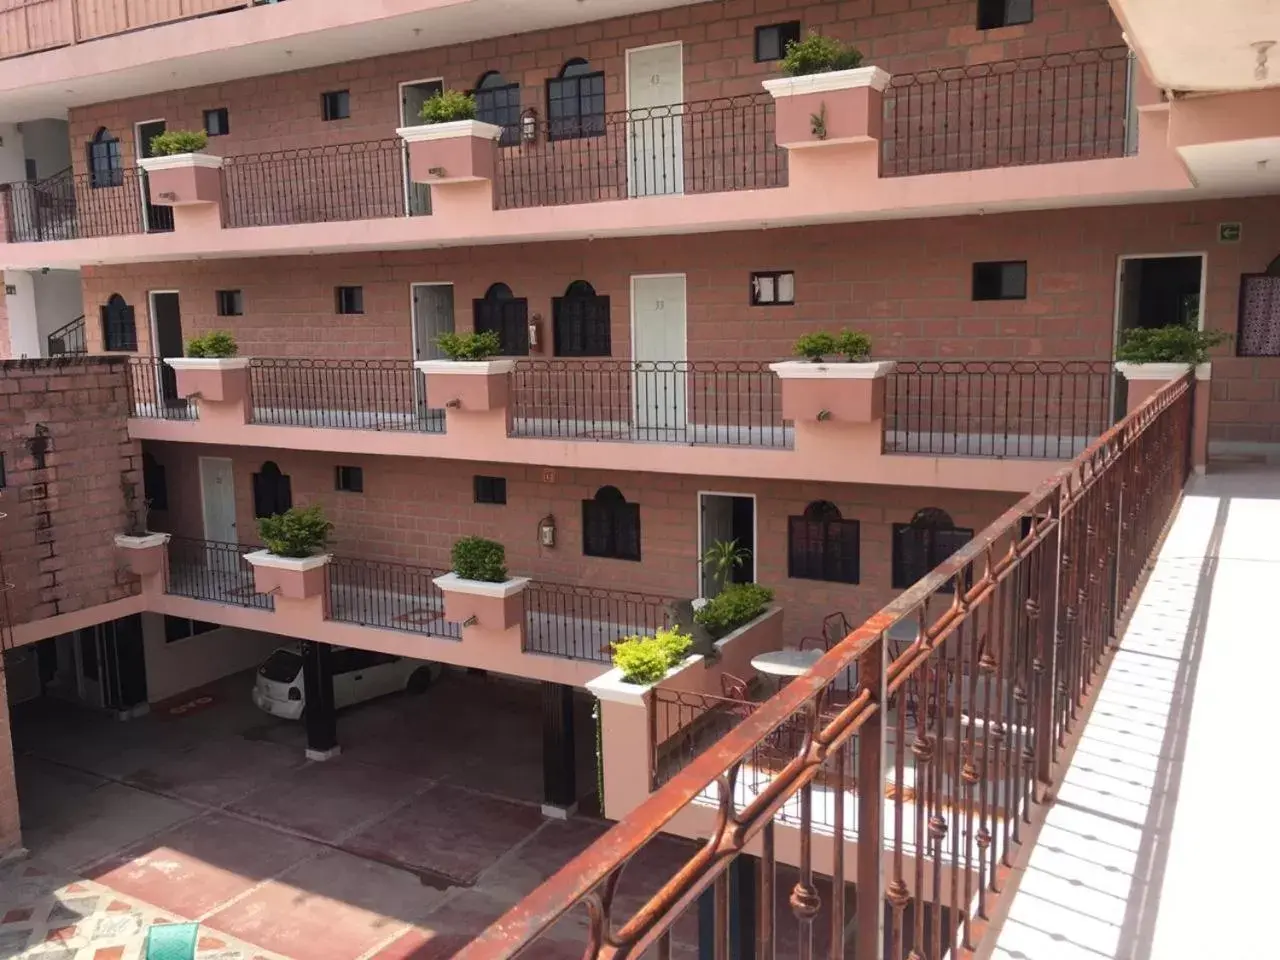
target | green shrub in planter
x=818, y=54
x=853, y=346
x=470, y=346
x=448, y=106
x=647, y=659
x=814, y=346
x=215, y=344
x=298, y=532
x=172, y=142
x=737, y=604
x=1173, y=344
x=475, y=558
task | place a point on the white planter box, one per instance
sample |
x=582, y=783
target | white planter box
x=207, y=363
x=872, y=77
x=421, y=133
x=146, y=542
x=475, y=368
x=823, y=369
x=181, y=161
x=610, y=686
x=1151, y=371
x=265, y=558
x=481, y=588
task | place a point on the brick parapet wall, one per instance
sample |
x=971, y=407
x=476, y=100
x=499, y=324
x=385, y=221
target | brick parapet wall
x=64, y=508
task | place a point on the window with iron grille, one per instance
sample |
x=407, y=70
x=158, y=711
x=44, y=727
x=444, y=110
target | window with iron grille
x=490, y=489
x=155, y=486
x=335, y=105
x=822, y=545
x=610, y=526
x=922, y=544
x=498, y=102
x=348, y=479
x=581, y=322
x=507, y=316
x=1000, y=280
x=575, y=102
x=119, y=328
x=106, y=169
x=217, y=123
x=772, y=40
x=272, y=491
x=993, y=14
x=771, y=288
x=230, y=303
x=348, y=300
x=1259, y=332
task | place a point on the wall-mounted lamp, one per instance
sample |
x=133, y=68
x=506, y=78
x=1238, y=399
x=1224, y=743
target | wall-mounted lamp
x=547, y=531
x=529, y=125
x=535, y=327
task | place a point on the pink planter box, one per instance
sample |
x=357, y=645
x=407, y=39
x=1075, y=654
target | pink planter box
x=835, y=392
x=144, y=556
x=467, y=385
x=224, y=380
x=183, y=179
x=289, y=577
x=848, y=103
x=457, y=152
x=492, y=606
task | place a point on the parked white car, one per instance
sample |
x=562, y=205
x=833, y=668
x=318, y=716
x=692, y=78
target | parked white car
x=358, y=675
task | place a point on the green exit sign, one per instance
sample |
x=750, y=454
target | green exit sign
x=1229, y=233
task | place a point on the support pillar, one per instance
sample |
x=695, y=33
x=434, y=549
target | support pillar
x=320, y=716
x=10, y=833
x=559, y=766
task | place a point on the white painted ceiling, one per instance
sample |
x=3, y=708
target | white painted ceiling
x=1204, y=44
x=1242, y=167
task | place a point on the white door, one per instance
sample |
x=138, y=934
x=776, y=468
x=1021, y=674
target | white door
x=655, y=143
x=218, y=492
x=417, y=196
x=432, y=316
x=658, y=334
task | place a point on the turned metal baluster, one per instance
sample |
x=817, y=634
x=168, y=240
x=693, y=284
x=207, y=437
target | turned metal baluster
x=805, y=902
x=766, y=940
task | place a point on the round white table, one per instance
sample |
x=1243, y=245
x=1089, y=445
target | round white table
x=786, y=663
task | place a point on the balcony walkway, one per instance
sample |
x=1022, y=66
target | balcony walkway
x=1162, y=840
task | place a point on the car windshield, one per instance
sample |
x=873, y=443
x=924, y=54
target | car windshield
x=282, y=666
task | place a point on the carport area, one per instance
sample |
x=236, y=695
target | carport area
x=426, y=828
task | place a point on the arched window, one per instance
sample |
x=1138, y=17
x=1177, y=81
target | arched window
x=581, y=322
x=1259, y=322
x=919, y=546
x=575, y=102
x=272, y=491
x=507, y=316
x=822, y=545
x=498, y=101
x=105, y=166
x=611, y=526
x=119, y=328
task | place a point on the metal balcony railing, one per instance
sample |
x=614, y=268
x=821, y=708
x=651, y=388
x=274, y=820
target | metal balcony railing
x=348, y=394
x=80, y=206
x=384, y=593
x=948, y=746
x=564, y=620
x=153, y=391
x=213, y=571
x=68, y=339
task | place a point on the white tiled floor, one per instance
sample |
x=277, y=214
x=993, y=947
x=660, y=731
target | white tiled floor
x=1162, y=844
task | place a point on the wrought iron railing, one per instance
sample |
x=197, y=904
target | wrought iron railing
x=950, y=745
x=1047, y=409
x=1063, y=106
x=68, y=339
x=349, y=394
x=213, y=571
x=384, y=593
x=564, y=620
x=348, y=181
x=80, y=206
x=708, y=146
x=720, y=402
x=153, y=391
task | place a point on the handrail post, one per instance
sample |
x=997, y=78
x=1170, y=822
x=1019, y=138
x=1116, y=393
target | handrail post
x=1048, y=623
x=871, y=802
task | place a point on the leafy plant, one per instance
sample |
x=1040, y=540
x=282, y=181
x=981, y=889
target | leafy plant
x=469, y=346
x=818, y=54
x=215, y=344
x=814, y=346
x=1172, y=344
x=737, y=604
x=475, y=558
x=447, y=106
x=647, y=659
x=298, y=532
x=178, y=141
x=722, y=558
x=853, y=346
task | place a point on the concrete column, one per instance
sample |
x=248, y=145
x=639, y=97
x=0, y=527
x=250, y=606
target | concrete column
x=559, y=763
x=10, y=834
x=320, y=715
x=20, y=304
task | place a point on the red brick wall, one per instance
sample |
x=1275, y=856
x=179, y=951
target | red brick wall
x=57, y=536
x=413, y=511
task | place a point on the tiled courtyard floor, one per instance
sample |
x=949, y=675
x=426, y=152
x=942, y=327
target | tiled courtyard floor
x=424, y=831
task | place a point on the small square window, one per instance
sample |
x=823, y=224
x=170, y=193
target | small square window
x=491, y=489
x=217, y=123
x=1000, y=280
x=336, y=104
x=993, y=14
x=230, y=303
x=772, y=40
x=773, y=288
x=349, y=299
x=348, y=479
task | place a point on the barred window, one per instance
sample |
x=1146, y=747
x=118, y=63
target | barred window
x=272, y=491
x=581, y=320
x=919, y=546
x=507, y=316
x=611, y=526
x=822, y=545
x=106, y=169
x=498, y=102
x=119, y=326
x=575, y=102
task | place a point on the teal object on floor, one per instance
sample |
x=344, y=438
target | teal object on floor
x=172, y=941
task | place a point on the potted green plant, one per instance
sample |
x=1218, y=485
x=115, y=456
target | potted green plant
x=179, y=173
x=646, y=660
x=835, y=381
x=478, y=591
x=451, y=145
x=469, y=378
x=721, y=559
x=292, y=561
x=211, y=370
x=825, y=95
x=734, y=607
x=140, y=550
x=1150, y=357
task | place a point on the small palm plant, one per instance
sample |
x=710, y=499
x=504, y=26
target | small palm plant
x=722, y=558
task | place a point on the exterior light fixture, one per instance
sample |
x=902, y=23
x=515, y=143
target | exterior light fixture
x=547, y=531
x=529, y=125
